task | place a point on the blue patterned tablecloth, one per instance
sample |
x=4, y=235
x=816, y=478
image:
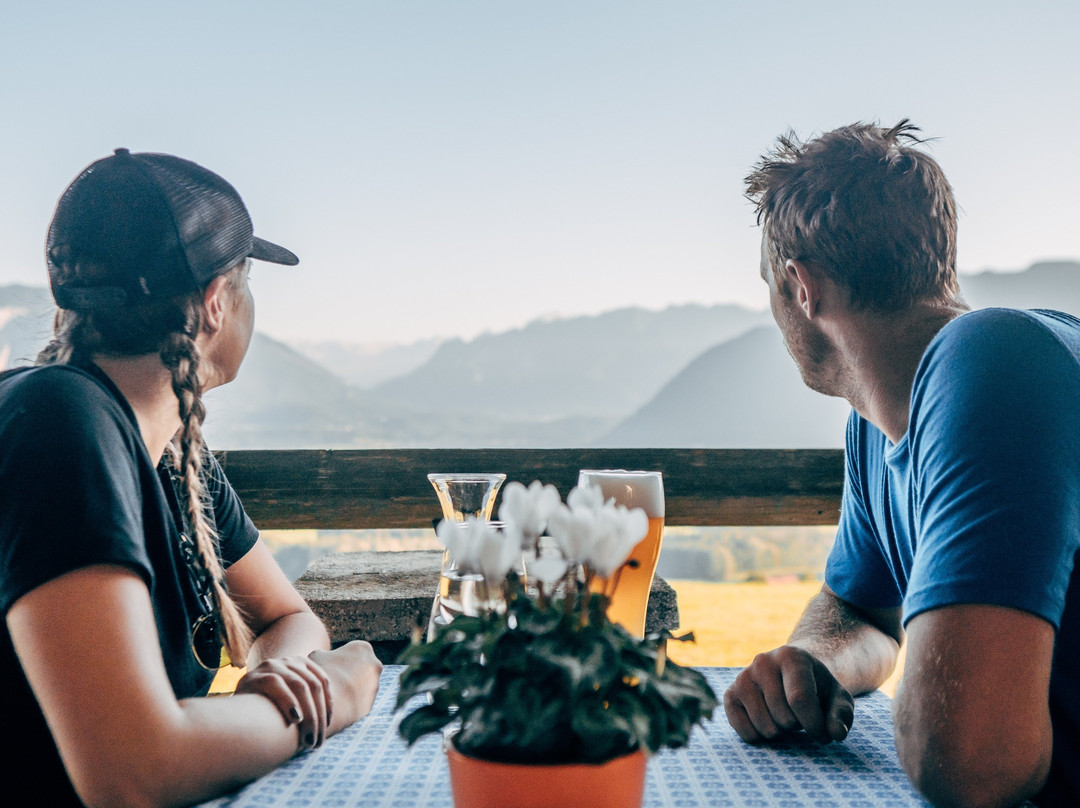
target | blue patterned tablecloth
x=369, y=766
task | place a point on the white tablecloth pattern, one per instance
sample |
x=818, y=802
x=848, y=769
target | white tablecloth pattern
x=369, y=766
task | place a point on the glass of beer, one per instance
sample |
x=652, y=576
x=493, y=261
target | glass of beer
x=460, y=496
x=634, y=489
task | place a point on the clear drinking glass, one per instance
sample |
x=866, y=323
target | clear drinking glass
x=460, y=496
x=634, y=489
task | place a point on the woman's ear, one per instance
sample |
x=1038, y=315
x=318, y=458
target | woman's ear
x=805, y=287
x=215, y=303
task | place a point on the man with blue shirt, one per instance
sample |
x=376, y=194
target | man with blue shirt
x=960, y=521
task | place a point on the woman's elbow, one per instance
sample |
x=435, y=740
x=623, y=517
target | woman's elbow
x=114, y=792
x=154, y=776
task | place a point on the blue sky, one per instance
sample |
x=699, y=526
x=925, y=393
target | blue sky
x=445, y=168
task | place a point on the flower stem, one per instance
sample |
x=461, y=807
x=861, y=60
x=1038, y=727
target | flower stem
x=585, y=591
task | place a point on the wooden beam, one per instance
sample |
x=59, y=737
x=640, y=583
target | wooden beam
x=388, y=488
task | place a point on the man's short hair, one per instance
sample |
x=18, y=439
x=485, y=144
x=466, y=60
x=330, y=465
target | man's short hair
x=866, y=207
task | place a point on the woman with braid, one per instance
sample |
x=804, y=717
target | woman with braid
x=128, y=568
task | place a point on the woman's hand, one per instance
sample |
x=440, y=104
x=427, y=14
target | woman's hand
x=312, y=691
x=354, y=672
x=301, y=691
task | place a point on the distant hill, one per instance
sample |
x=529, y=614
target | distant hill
x=283, y=400
x=693, y=376
x=1047, y=285
x=280, y=399
x=747, y=393
x=595, y=367
x=742, y=394
x=366, y=366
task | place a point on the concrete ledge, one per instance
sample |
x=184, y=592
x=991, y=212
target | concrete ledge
x=380, y=597
x=372, y=595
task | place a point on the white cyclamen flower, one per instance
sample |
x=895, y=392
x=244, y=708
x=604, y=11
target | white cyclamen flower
x=460, y=543
x=548, y=569
x=575, y=525
x=618, y=531
x=478, y=546
x=526, y=510
x=498, y=553
x=587, y=498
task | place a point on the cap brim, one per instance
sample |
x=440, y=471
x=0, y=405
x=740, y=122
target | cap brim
x=264, y=250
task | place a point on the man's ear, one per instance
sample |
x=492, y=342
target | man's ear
x=215, y=303
x=805, y=286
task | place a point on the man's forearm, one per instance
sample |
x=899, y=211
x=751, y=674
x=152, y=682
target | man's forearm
x=858, y=653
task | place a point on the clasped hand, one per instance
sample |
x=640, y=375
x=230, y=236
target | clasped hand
x=303, y=688
x=786, y=690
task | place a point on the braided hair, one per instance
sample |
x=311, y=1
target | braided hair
x=167, y=328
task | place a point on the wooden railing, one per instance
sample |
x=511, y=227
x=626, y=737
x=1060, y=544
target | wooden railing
x=364, y=595
x=388, y=488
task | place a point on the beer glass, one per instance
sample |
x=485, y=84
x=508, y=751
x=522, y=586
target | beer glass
x=634, y=489
x=460, y=496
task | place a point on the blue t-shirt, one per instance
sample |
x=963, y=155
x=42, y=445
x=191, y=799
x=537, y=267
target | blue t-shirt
x=980, y=501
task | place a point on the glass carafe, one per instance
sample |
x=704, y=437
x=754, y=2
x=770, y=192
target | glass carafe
x=460, y=496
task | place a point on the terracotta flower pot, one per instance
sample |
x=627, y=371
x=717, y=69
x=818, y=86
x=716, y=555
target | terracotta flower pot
x=476, y=783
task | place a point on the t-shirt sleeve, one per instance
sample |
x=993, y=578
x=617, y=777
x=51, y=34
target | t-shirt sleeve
x=69, y=483
x=236, y=532
x=996, y=453
x=857, y=569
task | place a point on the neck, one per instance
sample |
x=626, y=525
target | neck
x=881, y=355
x=147, y=386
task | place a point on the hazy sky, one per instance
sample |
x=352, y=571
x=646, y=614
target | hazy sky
x=444, y=168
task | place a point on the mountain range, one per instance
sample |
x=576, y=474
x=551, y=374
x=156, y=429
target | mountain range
x=688, y=376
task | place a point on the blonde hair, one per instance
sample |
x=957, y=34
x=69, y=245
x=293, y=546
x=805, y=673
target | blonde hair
x=167, y=328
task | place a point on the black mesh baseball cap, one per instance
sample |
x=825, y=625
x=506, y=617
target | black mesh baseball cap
x=145, y=227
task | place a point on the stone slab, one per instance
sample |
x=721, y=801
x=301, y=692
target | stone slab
x=382, y=596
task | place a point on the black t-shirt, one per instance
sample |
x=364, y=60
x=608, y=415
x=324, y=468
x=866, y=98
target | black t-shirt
x=77, y=488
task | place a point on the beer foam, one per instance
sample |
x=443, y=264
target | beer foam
x=634, y=489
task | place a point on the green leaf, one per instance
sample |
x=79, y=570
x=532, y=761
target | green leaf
x=421, y=721
x=603, y=729
x=586, y=661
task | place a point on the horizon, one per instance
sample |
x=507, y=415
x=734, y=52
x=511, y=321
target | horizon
x=373, y=348
x=449, y=170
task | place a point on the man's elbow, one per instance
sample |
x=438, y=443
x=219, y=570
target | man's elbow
x=968, y=773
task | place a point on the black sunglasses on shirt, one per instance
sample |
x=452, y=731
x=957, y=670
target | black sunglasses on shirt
x=207, y=635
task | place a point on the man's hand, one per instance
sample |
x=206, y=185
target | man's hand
x=786, y=690
x=836, y=650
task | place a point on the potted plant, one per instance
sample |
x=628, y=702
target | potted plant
x=540, y=677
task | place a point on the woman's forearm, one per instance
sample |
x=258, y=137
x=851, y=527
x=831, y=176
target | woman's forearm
x=249, y=726
x=296, y=634
x=184, y=760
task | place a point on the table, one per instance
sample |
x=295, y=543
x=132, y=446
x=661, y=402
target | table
x=369, y=766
